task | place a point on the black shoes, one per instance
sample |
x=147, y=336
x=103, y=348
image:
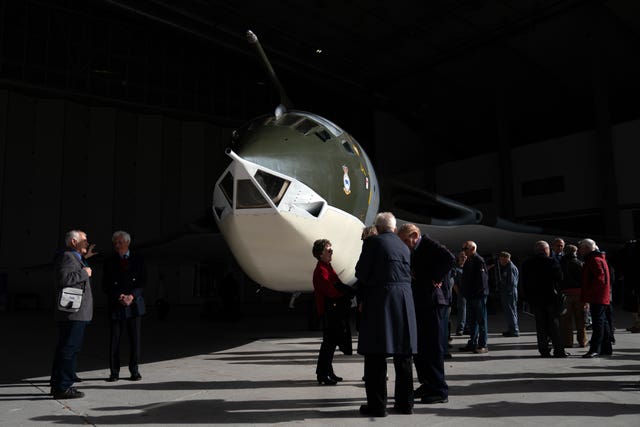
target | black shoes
x=326, y=380
x=401, y=409
x=370, y=412
x=433, y=399
x=135, y=377
x=113, y=378
x=510, y=334
x=466, y=348
x=335, y=377
x=70, y=393
x=561, y=355
x=590, y=355
x=77, y=379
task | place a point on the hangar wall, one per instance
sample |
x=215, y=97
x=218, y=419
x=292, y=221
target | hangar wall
x=556, y=181
x=65, y=165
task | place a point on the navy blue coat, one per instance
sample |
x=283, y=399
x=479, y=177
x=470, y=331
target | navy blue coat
x=124, y=277
x=388, y=318
x=475, y=279
x=431, y=262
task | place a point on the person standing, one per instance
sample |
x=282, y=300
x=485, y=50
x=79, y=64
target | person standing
x=596, y=291
x=557, y=249
x=333, y=300
x=461, y=302
x=124, y=277
x=475, y=289
x=388, y=322
x=71, y=270
x=508, y=275
x=541, y=276
x=572, y=289
x=430, y=266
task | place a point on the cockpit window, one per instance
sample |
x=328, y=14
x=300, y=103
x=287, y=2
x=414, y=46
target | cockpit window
x=305, y=126
x=347, y=147
x=226, y=185
x=274, y=186
x=249, y=197
x=323, y=135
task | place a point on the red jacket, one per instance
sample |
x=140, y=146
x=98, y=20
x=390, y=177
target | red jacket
x=324, y=280
x=596, y=282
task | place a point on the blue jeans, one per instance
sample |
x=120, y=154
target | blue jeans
x=462, y=313
x=601, y=331
x=477, y=322
x=63, y=371
x=510, y=308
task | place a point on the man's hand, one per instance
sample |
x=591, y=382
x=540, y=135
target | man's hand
x=88, y=270
x=90, y=251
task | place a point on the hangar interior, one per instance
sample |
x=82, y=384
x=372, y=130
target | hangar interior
x=115, y=114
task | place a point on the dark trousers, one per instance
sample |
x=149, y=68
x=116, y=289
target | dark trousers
x=118, y=326
x=336, y=332
x=477, y=321
x=600, y=329
x=548, y=326
x=430, y=358
x=375, y=381
x=63, y=372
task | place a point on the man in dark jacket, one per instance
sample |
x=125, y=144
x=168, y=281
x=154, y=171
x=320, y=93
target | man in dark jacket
x=123, y=279
x=71, y=270
x=572, y=289
x=541, y=276
x=596, y=291
x=475, y=289
x=430, y=266
x=388, y=321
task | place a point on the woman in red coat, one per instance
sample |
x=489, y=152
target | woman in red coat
x=596, y=291
x=332, y=302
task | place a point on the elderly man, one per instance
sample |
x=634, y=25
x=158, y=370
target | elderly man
x=475, y=289
x=508, y=275
x=596, y=291
x=388, y=322
x=557, y=249
x=430, y=265
x=123, y=279
x=71, y=270
x=541, y=277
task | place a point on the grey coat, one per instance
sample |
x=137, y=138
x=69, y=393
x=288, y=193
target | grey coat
x=388, y=320
x=69, y=272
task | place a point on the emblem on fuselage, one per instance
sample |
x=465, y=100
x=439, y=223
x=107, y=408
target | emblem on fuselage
x=346, y=181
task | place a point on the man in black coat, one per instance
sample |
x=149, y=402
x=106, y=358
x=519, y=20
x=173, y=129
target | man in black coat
x=430, y=266
x=475, y=289
x=541, y=276
x=123, y=279
x=388, y=321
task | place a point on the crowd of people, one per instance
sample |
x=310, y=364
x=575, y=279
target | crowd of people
x=406, y=285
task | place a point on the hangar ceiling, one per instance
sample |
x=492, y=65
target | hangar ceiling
x=465, y=73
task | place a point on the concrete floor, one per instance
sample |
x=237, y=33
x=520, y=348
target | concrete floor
x=260, y=371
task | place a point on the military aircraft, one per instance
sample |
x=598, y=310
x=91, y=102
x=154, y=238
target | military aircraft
x=295, y=177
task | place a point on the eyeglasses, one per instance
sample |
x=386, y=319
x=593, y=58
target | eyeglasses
x=464, y=248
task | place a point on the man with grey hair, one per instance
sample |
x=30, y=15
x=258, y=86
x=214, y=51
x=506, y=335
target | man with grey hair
x=596, y=291
x=71, y=270
x=123, y=280
x=541, y=276
x=388, y=318
x=475, y=289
